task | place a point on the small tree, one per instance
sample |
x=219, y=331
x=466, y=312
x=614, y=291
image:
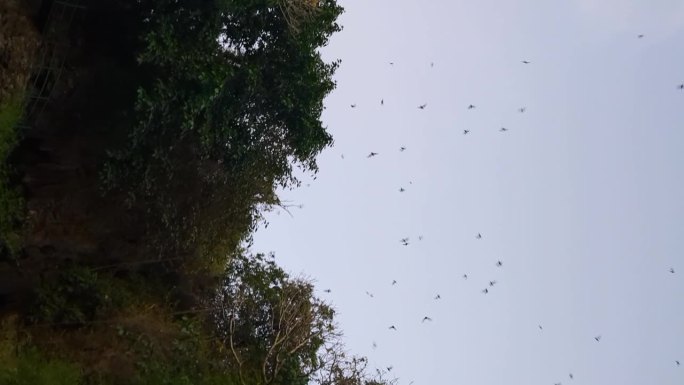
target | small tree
x=268, y=321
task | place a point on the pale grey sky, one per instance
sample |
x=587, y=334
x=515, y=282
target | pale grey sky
x=582, y=199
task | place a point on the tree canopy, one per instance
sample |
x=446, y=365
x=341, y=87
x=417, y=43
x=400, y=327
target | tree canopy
x=268, y=320
x=273, y=329
x=176, y=124
x=231, y=93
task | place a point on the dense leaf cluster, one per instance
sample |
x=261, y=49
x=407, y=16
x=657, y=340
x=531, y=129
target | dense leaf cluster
x=230, y=101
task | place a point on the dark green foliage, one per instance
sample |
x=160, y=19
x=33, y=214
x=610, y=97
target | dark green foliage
x=231, y=101
x=188, y=361
x=79, y=295
x=73, y=298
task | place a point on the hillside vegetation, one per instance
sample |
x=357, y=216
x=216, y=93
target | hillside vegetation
x=127, y=203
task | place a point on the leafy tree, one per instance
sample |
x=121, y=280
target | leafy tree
x=275, y=331
x=271, y=325
x=230, y=101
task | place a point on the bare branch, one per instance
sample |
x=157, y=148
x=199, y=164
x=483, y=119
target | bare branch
x=297, y=12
